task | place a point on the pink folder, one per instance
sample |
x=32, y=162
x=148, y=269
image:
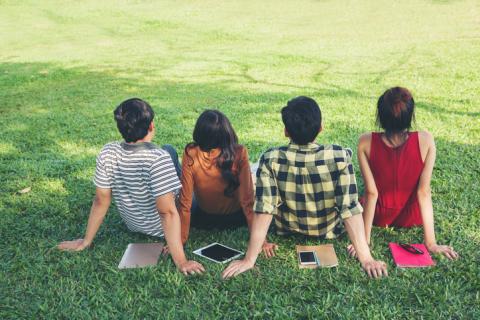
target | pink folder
x=405, y=259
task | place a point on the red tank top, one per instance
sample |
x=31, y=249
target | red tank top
x=396, y=172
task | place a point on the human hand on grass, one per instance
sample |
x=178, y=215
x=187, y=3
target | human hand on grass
x=165, y=251
x=269, y=249
x=351, y=251
x=237, y=267
x=447, y=251
x=191, y=267
x=74, y=245
x=375, y=268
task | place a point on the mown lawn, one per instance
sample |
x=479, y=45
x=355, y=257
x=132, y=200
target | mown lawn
x=64, y=66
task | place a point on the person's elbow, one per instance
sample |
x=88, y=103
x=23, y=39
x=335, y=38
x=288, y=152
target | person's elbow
x=168, y=212
x=371, y=194
x=424, y=192
x=102, y=200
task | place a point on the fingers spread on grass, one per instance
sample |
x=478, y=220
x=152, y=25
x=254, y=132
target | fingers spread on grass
x=351, y=251
x=369, y=272
x=200, y=267
x=269, y=252
x=165, y=251
x=230, y=270
x=452, y=253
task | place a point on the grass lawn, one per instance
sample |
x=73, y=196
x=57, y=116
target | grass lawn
x=64, y=66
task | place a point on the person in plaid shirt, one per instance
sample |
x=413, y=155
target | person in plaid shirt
x=309, y=189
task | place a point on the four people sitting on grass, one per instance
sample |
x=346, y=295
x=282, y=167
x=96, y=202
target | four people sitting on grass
x=307, y=188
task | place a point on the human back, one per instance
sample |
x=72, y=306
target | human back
x=209, y=184
x=311, y=182
x=217, y=188
x=137, y=174
x=397, y=167
x=143, y=181
x=309, y=188
x=396, y=171
x=396, y=160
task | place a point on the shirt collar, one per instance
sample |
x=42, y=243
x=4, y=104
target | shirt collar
x=139, y=146
x=303, y=147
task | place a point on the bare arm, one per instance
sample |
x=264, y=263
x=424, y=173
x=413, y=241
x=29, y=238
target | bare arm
x=371, y=192
x=424, y=196
x=260, y=225
x=246, y=195
x=346, y=202
x=374, y=268
x=98, y=211
x=171, y=228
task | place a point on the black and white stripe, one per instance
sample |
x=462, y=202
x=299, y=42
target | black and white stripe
x=137, y=174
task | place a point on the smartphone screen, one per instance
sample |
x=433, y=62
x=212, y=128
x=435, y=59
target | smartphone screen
x=307, y=257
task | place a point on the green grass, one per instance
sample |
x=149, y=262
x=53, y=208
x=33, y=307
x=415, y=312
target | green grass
x=64, y=66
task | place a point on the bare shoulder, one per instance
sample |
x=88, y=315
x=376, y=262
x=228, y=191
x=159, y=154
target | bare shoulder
x=427, y=144
x=364, y=141
x=426, y=139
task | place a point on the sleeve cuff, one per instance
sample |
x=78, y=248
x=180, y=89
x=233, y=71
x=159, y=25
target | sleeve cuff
x=349, y=212
x=100, y=185
x=263, y=207
x=160, y=193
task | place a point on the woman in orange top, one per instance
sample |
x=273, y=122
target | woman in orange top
x=215, y=168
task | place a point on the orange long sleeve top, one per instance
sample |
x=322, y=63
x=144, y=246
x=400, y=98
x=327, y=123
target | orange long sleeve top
x=200, y=175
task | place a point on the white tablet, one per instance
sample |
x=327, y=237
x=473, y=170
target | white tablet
x=217, y=252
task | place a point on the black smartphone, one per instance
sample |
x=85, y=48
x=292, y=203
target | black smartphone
x=307, y=257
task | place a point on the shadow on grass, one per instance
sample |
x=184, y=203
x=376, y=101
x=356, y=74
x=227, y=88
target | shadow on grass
x=433, y=108
x=53, y=123
x=55, y=120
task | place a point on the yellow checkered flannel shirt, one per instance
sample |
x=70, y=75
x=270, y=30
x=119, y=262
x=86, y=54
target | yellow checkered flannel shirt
x=309, y=189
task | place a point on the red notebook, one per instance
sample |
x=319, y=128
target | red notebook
x=405, y=259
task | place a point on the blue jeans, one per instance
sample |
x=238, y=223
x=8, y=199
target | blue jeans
x=174, y=155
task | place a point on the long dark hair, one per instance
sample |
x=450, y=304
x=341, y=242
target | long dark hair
x=213, y=130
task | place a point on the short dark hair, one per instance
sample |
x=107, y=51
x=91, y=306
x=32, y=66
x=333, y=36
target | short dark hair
x=302, y=119
x=395, y=110
x=133, y=117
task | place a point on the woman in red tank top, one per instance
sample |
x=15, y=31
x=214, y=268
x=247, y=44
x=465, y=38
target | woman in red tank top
x=397, y=167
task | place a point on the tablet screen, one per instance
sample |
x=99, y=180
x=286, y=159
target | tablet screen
x=219, y=252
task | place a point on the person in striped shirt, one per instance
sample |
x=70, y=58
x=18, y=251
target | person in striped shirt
x=144, y=183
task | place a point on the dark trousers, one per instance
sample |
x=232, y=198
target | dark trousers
x=202, y=220
x=174, y=155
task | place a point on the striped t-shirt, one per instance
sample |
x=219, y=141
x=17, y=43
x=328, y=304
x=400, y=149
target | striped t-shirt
x=137, y=174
